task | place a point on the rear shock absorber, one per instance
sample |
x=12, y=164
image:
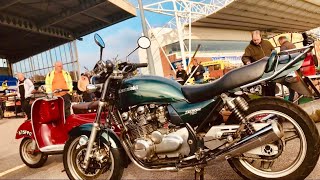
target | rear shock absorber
x=237, y=106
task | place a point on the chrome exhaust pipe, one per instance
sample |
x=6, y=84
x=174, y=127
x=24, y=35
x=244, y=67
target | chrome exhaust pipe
x=268, y=134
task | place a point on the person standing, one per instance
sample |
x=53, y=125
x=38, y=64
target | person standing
x=25, y=88
x=60, y=79
x=82, y=86
x=181, y=74
x=198, y=71
x=256, y=50
x=286, y=45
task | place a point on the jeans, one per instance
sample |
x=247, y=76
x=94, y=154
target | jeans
x=26, y=107
x=67, y=105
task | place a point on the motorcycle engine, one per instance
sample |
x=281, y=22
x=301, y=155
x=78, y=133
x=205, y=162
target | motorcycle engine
x=152, y=135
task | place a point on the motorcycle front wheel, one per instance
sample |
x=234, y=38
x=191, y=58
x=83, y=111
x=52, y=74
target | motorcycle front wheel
x=29, y=156
x=106, y=164
x=292, y=157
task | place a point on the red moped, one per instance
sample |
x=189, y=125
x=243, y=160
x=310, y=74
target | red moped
x=47, y=131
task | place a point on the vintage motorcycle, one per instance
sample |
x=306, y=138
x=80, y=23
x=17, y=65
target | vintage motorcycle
x=47, y=131
x=169, y=127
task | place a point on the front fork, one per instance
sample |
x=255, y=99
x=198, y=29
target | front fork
x=93, y=135
x=96, y=124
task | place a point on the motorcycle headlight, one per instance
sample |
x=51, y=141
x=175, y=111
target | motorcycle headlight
x=83, y=140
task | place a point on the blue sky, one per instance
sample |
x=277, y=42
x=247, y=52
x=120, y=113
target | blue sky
x=120, y=39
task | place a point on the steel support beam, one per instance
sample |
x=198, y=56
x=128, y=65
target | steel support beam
x=97, y=26
x=90, y=15
x=6, y=5
x=82, y=7
x=24, y=24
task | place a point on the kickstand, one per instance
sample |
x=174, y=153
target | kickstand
x=199, y=174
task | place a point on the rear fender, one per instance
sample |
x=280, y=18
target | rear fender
x=296, y=83
x=25, y=130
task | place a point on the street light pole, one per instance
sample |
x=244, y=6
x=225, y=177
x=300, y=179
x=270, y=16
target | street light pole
x=145, y=33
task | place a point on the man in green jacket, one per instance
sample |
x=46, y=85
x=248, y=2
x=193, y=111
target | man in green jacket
x=60, y=79
x=256, y=50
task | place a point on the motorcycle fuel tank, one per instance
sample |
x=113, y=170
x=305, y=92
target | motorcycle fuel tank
x=149, y=89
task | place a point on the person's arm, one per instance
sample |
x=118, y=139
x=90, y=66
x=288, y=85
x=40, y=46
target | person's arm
x=48, y=84
x=30, y=86
x=18, y=91
x=246, y=57
x=177, y=74
x=202, y=69
x=184, y=75
x=70, y=85
x=283, y=48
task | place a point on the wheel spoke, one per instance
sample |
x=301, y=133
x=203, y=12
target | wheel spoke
x=290, y=134
x=266, y=165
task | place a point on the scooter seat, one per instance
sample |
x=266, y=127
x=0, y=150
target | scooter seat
x=229, y=81
x=84, y=108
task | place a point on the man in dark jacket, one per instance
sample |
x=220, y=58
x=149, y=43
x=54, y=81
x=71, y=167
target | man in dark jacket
x=198, y=70
x=181, y=74
x=257, y=49
x=285, y=44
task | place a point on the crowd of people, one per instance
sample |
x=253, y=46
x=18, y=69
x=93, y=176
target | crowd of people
x=257, y=49
x=197, y=71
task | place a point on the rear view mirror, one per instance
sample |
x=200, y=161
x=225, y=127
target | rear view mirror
x=144, y=42
x=99, y=41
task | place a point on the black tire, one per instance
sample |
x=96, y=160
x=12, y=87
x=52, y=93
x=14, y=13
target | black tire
x=308, y=127
x=32, y=160
x=69, y=158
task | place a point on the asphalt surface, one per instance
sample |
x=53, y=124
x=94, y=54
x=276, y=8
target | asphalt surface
x=12, y=167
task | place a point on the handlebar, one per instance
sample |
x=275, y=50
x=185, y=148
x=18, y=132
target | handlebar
x=140, y=65
x=130, y=67
x=61, y=90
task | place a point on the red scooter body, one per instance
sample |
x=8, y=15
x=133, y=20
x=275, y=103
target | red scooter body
x=47, y=131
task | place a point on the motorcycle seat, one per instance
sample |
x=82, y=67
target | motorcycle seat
x=84, y=108
x=231, y=80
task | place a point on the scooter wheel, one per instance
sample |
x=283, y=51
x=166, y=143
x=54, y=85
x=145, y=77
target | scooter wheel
x=29, y=157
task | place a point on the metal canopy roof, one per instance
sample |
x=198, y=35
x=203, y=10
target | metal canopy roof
x=274, y=16
x=28, y=27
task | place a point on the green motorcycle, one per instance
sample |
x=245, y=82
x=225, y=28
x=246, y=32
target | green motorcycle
x=169, y=127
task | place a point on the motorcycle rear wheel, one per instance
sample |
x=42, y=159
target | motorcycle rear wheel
x=73, y=157
x=33, y=160
x=305, y=132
